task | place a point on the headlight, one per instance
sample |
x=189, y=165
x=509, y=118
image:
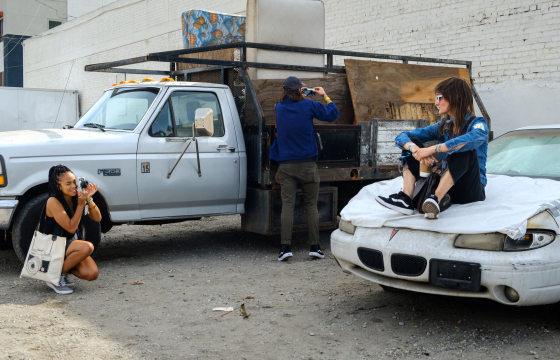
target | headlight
x=347, y=227
x=533, y=239
x=3, y=178
x=492, y=242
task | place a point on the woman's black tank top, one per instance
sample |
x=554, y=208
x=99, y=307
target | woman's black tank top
x=51, y=227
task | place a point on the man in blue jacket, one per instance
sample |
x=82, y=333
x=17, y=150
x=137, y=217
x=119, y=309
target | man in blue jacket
x=295, y=150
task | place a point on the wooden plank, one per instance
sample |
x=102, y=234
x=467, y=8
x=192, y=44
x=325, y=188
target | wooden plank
x=269, y=92
x=400, y=110
x=225, y=54
x=373, y=84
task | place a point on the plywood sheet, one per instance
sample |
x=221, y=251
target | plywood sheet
x=269, y=92
x=373, y=84
x=226, y=54
x=414, y=111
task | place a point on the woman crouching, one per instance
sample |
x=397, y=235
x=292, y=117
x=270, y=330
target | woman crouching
x=64, y=212
x=462, y=141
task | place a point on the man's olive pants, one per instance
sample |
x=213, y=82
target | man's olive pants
x=308, y=178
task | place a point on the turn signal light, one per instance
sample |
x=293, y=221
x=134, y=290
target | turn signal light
x=123, y=82
x=147, y=79
x=114, y=84
x=167, y=79
x=2, y=181
x=133, y=82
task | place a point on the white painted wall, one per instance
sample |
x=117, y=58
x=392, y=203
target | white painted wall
x=514, y=44
x=77, y=8
x=29, y=17
x=120, y=30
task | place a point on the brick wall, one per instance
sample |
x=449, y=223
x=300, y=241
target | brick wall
x=505, y=39
x=513, y=43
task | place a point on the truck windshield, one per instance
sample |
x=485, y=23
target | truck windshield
x=119, y=109
x=532, y=153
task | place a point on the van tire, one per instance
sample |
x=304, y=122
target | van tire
x=27, y=219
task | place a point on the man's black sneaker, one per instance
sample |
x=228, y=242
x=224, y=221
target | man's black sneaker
x=285, y=253
x=315, y=251
x=430, y=207
x=399, y=202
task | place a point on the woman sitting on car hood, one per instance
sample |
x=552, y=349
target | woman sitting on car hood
x=462, y=140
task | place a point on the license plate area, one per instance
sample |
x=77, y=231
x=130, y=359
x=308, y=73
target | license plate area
x=455, y=274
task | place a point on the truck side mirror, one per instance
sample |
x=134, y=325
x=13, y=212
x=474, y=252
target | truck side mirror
x=204, y=122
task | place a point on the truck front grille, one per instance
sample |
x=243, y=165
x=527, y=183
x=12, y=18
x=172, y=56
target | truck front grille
x=373, y=259
x=408, y=265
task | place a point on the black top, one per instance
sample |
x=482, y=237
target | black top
x=48, y=225
x=51, y=226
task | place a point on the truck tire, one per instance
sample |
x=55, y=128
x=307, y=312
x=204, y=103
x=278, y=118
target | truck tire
x=27, y=219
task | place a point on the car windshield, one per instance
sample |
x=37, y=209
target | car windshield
x=531, y=153
x=119, y=109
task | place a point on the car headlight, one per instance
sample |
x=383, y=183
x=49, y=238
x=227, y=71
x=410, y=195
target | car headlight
x=347, y=227
x=491, y=242
x=3, y=178
x=533, y=239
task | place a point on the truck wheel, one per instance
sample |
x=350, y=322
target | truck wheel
x=27, y=219
x=92, y=232
x=24, y=225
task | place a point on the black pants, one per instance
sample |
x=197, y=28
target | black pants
x=464, y=170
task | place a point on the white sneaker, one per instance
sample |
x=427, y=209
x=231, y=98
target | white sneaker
x=62, y=289
x=431, y=207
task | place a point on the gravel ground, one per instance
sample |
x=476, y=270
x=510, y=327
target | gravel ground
x=302, y=309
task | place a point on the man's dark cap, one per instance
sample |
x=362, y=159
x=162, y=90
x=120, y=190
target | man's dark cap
x=293, y=83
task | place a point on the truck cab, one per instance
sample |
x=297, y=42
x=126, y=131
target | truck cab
x=128, y=143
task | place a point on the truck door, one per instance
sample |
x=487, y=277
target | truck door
x=162, y=142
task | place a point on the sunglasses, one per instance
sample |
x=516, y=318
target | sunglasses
x=438, y=98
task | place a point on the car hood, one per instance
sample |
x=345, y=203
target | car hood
x=61, y=142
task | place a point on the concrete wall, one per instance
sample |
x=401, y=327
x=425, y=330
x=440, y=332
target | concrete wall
x=514, y=44
x=29, y=17
x=120, y=30
x=77, y=8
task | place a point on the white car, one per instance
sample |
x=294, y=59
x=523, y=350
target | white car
x=502, y=249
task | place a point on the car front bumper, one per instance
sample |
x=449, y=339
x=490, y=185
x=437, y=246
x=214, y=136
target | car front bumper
x=7, y=209
x=534, y=274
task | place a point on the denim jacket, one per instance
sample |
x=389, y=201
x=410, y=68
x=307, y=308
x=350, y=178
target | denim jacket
x=476, y=138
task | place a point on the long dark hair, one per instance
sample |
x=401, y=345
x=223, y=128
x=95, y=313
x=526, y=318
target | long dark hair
x=54, y=188
x=295, y=95
x=459, y=95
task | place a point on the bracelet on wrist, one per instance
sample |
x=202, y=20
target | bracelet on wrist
x=327, y=98
x=87, y=202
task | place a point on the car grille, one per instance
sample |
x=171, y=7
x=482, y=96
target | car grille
x=373, y=259
x=408, y=265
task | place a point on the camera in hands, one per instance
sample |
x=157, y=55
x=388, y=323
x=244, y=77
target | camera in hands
x=309, y=92
x=81, y=184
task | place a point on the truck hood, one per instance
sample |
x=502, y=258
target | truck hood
x=64, y=142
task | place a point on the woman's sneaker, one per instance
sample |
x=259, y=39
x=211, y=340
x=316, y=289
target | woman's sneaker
x=315, y=251
x=399, y=202
x=67, y=280
x=430, y=207
x=285, y=253
x=62, y=289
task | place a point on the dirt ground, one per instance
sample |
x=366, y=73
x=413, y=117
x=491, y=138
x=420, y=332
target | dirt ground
x=302, y=309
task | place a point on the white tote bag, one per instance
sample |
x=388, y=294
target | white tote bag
x=45, y=257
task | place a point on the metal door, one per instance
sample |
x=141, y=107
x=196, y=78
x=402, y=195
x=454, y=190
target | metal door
x=186, y=194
